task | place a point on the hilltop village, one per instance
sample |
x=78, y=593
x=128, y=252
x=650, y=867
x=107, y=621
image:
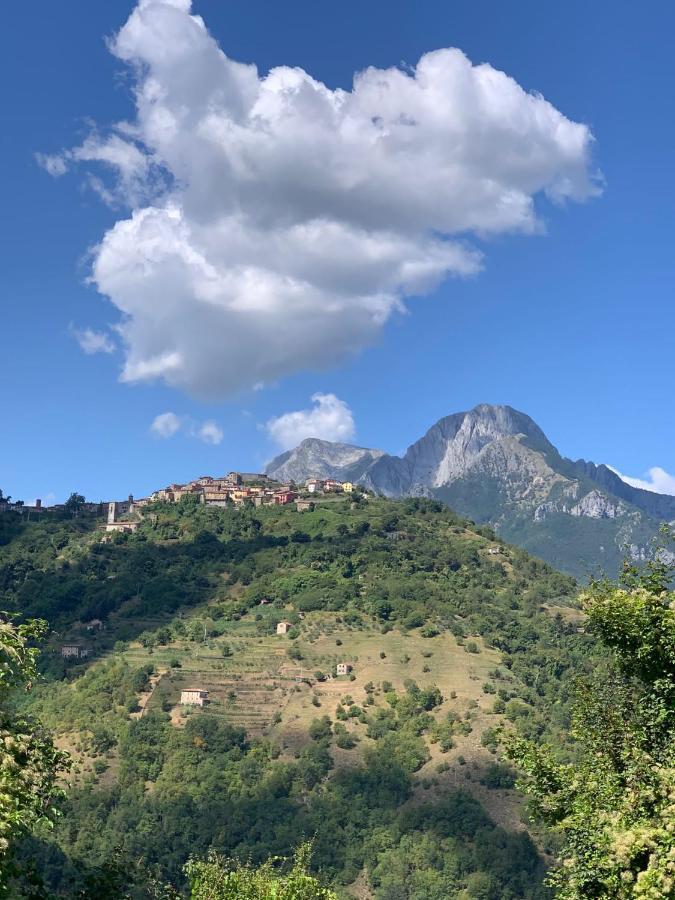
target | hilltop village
x=235, y=489
x=239, y=487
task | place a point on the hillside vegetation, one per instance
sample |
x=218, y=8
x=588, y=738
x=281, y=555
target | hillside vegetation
x=390, y=769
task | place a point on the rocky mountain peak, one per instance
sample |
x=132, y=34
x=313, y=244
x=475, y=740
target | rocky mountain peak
x=457, y=443
x=494, y=464
x=316, y=458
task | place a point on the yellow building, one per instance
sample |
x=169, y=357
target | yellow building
x=347, y=487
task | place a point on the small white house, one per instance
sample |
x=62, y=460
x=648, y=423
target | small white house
x=343, y=668
x=73, y=651
x=194, y=697
x=283, y=627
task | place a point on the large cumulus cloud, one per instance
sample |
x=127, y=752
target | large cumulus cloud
x=277, y=224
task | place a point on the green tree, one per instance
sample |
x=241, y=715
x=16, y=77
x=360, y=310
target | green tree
x=29, y=762
x=615, y=807
x=215, y=879
x=74, y=503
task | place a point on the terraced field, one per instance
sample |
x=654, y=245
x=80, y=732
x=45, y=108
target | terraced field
x=255, y=685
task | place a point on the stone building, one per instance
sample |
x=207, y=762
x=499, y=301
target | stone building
x=194, y=697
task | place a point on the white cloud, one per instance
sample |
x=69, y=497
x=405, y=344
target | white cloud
x=329, y=418
x=210, y=433
x=277, y=224
x=137, y=178
x=166, y=425
x=54, y=164
x=658, y=480
x=93, y=341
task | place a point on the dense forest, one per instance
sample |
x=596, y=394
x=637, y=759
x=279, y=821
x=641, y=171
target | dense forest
x=391, y=770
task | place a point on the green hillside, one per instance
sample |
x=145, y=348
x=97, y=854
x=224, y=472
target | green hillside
x=582, y=546
x=391, y=769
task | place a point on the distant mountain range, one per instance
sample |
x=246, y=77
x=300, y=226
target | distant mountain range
x=494, y=464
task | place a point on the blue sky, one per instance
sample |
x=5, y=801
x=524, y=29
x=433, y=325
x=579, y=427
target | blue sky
x=573, y=325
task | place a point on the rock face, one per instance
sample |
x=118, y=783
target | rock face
x=494, y=464
x=323, y=459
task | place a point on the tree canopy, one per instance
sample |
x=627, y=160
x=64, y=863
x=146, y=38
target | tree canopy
x=29, y=762
x=615, y=806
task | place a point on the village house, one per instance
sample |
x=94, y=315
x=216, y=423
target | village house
x=125, y=527
x=314, y=485
x=331, y=486
x=93, y=625
x=255, y=477
x=283, y=627
x=281, y=498
x=304, y=505
x=343, y=668
x=121, y=508
x=216, y=495
x=494, y=551
x=194, y=697
x=347, y=487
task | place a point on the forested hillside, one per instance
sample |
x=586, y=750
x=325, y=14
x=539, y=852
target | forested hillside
x=391, y=769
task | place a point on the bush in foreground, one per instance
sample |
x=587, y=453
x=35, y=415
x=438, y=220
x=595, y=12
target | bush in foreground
x=218, y=879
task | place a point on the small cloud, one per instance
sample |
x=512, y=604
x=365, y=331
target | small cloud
x=166, y=425
x=329, y=418
x=657, y=480
x=54, y=164
x=91, y=341
x=209, y=433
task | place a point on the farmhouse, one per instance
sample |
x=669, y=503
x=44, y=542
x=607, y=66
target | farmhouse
x=343, y=668
x=304, y=505
x=74, y=651
x=194, y=697
x=283, y=627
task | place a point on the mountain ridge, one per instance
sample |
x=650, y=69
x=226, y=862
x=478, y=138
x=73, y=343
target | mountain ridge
x=495, y=464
